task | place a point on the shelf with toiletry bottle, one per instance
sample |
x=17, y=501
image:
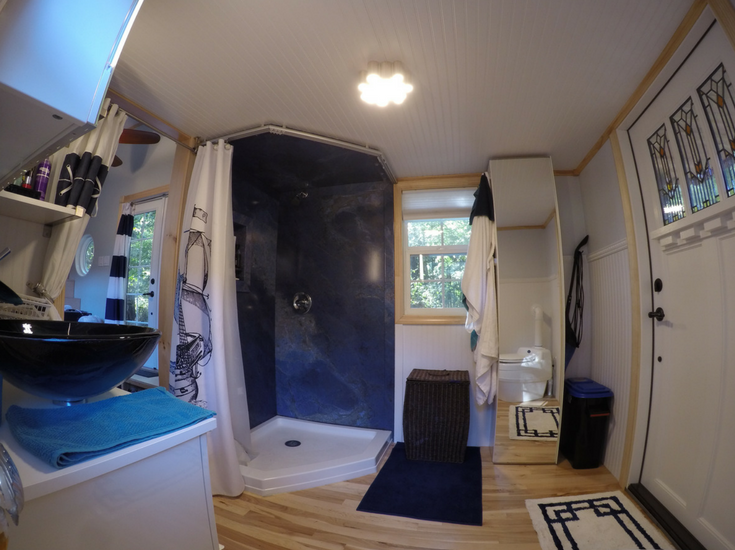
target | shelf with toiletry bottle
x=25, y=198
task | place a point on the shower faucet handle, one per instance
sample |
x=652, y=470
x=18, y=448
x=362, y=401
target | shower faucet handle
x=301, y=302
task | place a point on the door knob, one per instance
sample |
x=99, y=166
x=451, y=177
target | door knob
x=148, y=294
x=658, y=314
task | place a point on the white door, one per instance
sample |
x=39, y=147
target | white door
x=144, y=266
x=689, y=462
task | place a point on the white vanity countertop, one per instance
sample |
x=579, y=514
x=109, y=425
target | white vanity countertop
x=40, y=478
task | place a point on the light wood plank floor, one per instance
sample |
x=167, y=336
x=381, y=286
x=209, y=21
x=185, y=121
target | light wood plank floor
x=326, y=517
x=519, y=451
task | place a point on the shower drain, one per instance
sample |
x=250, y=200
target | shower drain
x=293, y=443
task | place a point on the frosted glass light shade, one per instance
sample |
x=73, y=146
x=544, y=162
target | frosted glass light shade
x=383, y=83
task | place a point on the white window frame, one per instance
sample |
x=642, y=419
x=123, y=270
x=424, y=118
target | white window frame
x=404, y=315
x=441, y=249
x=141, y=198
x=80, y=258
x=155, y=204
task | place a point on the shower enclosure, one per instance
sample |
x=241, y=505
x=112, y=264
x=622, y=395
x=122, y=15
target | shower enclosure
x=314, y=231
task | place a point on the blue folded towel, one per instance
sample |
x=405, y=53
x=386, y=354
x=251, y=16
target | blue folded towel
x=64, y=436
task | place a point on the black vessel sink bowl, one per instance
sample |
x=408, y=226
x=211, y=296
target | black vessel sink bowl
x=69, y=362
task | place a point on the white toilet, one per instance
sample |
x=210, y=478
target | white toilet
x=523, y=376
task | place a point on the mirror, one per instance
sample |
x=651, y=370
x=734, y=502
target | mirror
x=530, y=312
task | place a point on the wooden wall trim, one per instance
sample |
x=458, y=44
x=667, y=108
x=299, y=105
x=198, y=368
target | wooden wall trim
x=725, y=15
x=417, y=184
x=161, y=190
x=635, y=311
x=678, y=37
x=439, y=182
x=152, y=121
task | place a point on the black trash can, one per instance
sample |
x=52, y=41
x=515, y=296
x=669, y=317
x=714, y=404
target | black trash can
x=586, y=413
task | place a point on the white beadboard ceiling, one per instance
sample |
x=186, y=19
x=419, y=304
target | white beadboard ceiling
x=493, y=78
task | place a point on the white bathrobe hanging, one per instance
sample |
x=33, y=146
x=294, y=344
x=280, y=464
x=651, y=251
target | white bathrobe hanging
x=478, y=286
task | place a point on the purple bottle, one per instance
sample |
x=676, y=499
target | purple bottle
x=42, y=175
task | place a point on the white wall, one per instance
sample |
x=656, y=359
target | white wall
x=523, y=254
x=601, y=199
x=573, y=230
x=25, y=262
x=608, y=294
x=144, y=167
x=590, y=205
x=524, y=274
x=611, y=341
x=528, y=275
x=439, y=347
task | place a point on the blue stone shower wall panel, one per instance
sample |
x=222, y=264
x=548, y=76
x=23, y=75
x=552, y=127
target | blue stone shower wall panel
x=256, y=306
x=336, y=363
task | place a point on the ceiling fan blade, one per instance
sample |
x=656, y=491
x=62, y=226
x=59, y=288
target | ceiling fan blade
x=139, y=137
x=116, y=161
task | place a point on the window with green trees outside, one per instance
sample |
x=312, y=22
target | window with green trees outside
x=437, y=252
x=139, y=269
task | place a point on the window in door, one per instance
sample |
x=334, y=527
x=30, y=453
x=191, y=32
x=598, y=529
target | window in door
x=669, y=191
x=698, y=173
x=144, y=262
x=719, y=107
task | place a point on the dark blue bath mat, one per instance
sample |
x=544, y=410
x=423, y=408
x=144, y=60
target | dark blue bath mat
x=432, y=491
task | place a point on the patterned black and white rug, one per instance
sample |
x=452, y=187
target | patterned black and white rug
x=603, y=521
x=537, y=423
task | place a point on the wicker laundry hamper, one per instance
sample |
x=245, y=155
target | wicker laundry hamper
x=436, y=415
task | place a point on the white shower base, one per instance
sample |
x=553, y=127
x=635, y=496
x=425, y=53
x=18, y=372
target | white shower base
x=328, y=453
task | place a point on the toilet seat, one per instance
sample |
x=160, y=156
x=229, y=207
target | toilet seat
x=525, y=363
x=523, y=376
x=512, y=357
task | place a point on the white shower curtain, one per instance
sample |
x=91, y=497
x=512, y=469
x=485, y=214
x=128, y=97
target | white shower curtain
x=206, y=359
x=81, y=170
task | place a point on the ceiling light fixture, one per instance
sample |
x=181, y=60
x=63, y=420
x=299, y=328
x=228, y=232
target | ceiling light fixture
x=384, y=82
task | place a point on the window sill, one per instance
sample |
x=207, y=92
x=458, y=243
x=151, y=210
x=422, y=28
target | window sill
x=431, y=320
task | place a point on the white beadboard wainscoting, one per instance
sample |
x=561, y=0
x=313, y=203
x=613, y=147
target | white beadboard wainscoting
x=611, y=339
x=608, y=304
x=439, y=347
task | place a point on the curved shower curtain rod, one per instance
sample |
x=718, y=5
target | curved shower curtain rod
x=285, y=131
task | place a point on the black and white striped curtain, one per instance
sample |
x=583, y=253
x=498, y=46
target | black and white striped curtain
x=117, y=285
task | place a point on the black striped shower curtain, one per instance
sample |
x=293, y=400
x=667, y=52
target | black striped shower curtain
x=117, y=285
